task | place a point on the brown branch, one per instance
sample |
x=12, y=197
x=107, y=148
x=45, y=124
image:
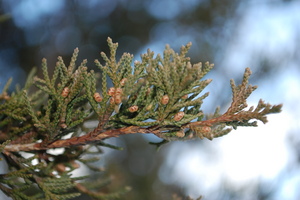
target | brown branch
x=241, y=116
x=221, y=119
x=81, y=140
x=98, y=134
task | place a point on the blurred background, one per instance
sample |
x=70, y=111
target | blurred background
x=249, y=163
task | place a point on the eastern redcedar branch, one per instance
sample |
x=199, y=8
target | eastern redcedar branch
x=98, y=135
x=159, y=95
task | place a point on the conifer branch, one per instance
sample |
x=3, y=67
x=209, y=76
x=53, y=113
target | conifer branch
x=159, y=95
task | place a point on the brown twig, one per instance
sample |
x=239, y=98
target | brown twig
x=221, y=119
x=99, y=134
x=81, y=140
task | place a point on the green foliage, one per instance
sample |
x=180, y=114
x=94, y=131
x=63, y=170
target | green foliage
x=152, y=79
x=160, y=94
x=36, y=178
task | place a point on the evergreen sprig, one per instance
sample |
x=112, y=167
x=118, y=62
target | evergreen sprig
x=160, y=94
